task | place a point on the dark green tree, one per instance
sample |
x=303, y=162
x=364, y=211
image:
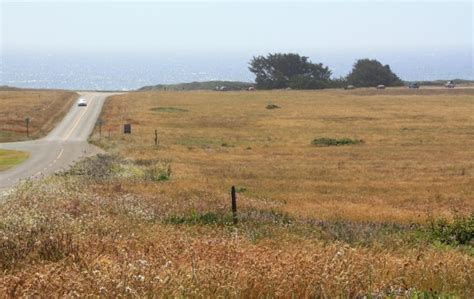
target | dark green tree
x=367, y=73
x=288, y=70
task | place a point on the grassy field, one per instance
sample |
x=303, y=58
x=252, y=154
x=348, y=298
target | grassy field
x=415, y=160
x=340, y=194
x=9, y=159
x=43, y=107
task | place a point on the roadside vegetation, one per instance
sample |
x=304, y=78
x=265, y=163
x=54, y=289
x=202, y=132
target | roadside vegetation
x=389, y=217
x=9, y=158
x=44, y=108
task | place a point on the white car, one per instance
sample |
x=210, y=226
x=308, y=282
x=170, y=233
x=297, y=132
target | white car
x=450, y=84
x=82, y=102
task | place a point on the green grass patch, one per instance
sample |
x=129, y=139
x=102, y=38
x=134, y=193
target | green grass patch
x=336, y=142
x=168, y=109
x=240, y=189
x=9, y=158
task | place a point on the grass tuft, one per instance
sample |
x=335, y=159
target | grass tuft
x=335, y=142
x=168, y=109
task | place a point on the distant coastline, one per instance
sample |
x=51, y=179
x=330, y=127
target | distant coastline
x=129, y=72
x=233, y=85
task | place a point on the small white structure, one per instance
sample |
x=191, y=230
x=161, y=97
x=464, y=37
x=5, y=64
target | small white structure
x=450, y=84
x=381, y=86
x=221, y=88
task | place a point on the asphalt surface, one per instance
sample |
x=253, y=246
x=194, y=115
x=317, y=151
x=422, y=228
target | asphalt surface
x=63, y=146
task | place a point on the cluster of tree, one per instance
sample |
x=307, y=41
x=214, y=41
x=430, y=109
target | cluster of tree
x=289, y=70
x=367, y=72
x=294, y=71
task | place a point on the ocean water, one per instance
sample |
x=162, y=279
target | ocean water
x=132, y=71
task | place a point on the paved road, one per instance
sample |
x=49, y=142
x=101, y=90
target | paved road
x=63, y=146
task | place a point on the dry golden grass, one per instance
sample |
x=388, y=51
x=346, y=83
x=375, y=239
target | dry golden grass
x=344, y=221
x=417, y=158
x=62, y=238
x=44, y=107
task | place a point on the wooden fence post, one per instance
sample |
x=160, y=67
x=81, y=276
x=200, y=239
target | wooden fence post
x=234, y=205
x=156, y=137
x=27, y=121
x=100, y=122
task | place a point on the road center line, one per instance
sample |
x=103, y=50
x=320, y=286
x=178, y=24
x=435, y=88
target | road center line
x=77, y=121
x=60, y=154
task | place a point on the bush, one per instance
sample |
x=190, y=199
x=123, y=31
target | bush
x=335, y=142
x=460, y=231
x=272, y=106
x=157, y=173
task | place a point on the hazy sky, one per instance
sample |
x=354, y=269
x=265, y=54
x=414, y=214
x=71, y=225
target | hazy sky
x=232, y=26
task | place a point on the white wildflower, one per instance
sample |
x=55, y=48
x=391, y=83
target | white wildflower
x=143, y=262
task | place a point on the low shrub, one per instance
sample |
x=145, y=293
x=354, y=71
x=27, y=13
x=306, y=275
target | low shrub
x=240, y=189
x=460, y=231
x=272, y=106
x=158, y=173
x=97, y=168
